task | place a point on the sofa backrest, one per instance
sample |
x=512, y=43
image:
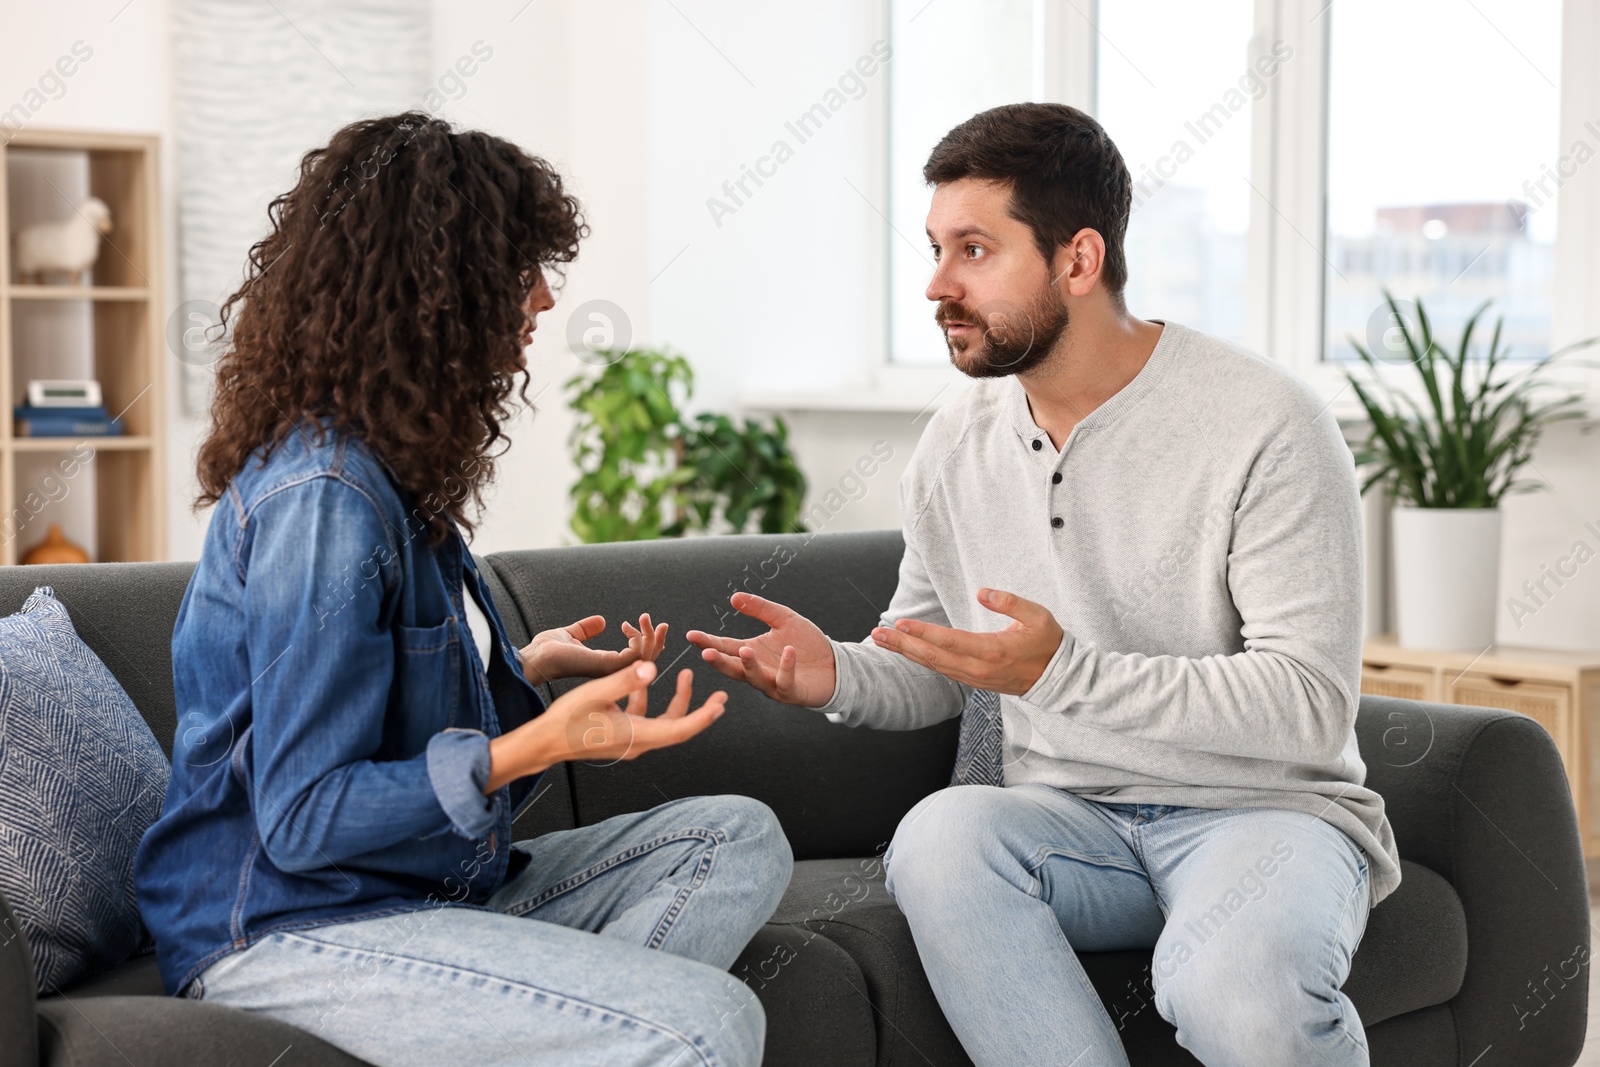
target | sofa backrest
x=125, y=613
x=838, y=791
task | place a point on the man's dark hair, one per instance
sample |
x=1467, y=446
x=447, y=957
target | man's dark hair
x=1064, y=172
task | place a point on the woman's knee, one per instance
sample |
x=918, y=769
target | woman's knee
x=752, y=828
x=723, y=1017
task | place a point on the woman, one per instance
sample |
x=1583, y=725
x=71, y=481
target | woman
x=355, y=728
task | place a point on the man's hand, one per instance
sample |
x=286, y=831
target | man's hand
x=791, y=662
x=1009, y=661
x=561, y=653
x=588, y=724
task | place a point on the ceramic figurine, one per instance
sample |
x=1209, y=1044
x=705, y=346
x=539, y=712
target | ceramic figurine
x=71, y=245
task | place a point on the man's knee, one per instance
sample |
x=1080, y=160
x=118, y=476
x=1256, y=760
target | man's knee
x=944, y=836
x=1246, y=1007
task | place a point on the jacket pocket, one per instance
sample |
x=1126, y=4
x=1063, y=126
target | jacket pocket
x=427, y=678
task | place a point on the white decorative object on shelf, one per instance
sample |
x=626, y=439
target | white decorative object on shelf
x=71, y=245
x=64, y=393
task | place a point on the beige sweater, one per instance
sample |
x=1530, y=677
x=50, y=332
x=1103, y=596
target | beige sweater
x=1207, y=572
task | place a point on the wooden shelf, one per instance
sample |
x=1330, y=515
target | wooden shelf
x=119, y=443
x=111, y=500
x=77, y=292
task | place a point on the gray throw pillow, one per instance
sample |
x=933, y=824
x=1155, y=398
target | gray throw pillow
x=978, y=751
x=81, y=778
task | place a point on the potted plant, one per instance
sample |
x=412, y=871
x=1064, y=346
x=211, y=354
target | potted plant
x=1448, y=459
x=646, y=470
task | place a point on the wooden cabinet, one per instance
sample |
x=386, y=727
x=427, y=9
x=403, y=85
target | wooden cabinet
x=1558, y=690
x=105, y=492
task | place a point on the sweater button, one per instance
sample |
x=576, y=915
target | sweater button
x=1037, y=444
x=1055, y=479
x=1058, y=522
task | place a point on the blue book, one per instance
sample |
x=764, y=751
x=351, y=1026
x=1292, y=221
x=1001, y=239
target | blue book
x=27, y=411
x=68, y=427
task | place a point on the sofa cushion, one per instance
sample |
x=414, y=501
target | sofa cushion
x=115, y=1031
x=81, y=779
x=810, y=990
x=845, y=902
x=980, y=753
x=1413, y=955
x=125, y=613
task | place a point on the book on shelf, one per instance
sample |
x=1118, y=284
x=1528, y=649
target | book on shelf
x=65, y=422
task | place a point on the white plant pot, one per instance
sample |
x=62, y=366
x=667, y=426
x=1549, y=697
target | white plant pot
x=1446, y=576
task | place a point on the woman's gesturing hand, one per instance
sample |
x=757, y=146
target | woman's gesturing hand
x=587, y=723
x=561, y=653
x=791, y=662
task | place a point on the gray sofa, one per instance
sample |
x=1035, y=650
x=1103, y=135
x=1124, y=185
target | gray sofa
x=1494, y=904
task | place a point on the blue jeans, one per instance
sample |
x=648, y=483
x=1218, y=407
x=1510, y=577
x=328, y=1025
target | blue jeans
x=1253, y=913
x=611, y=947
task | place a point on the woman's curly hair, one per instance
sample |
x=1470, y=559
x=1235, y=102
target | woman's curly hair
x=389, y=296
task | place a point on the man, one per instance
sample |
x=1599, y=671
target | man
x=1149, y=542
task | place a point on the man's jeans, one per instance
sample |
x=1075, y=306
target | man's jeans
x=1254, y=914
x=611, y=947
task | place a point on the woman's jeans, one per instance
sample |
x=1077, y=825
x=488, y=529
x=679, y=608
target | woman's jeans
x=611, y=947
x=1254, y=914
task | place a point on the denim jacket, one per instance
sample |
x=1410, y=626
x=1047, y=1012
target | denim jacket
x=334, y=716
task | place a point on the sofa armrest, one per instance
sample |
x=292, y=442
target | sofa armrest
x=1481, y=797
x=19, y=1027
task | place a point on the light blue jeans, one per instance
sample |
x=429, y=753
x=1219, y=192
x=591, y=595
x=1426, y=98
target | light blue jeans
x=611, y=947
x=1254, y=914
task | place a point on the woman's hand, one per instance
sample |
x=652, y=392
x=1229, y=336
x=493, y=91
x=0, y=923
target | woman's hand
x=588, y=724
x=561, y=653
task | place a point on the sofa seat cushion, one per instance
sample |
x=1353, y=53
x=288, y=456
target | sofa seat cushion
x=1413, y=955
x=81, y=779
x=113, y=1031
x=845, y=902
x=136, y=977
x=811, y=992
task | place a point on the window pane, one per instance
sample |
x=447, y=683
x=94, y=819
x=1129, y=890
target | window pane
x=1441, y=139
x=952, y=59
x=1175, y=92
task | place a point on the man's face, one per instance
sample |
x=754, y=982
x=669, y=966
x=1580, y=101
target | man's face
x=998, y=305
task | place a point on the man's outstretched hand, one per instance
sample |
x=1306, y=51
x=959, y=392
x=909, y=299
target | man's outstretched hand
x=1008, y=661
x=791, y=662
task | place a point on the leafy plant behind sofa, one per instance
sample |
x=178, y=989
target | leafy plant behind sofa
x=647, y=470
x=1480, y=425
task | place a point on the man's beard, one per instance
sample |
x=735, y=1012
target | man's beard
x=1013, y=341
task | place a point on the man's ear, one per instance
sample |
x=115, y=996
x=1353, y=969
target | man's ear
x=1077, y=263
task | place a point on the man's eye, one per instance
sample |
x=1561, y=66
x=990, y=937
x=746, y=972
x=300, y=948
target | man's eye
x=974, y=251
x=935, y=252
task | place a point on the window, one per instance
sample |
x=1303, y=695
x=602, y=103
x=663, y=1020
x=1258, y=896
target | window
x=1291, y=158
x=1441, y=134
x=951, y=60
x=1178, y=105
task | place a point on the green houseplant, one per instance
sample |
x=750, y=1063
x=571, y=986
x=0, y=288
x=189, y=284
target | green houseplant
x=1449, y=446
x=647, y=470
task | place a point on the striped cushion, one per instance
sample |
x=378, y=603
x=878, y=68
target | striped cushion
x=81, y=777
x=978, y=752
